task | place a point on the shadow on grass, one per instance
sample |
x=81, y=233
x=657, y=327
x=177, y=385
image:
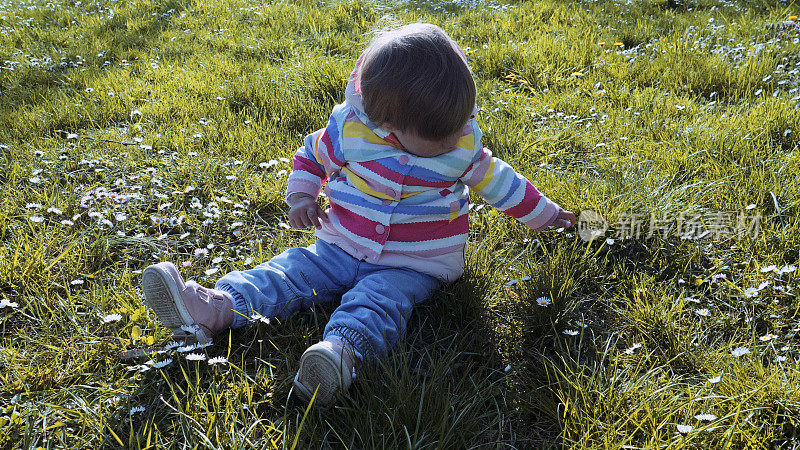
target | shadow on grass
x=443, y=386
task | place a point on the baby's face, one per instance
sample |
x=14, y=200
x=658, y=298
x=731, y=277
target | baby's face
x=426, y=148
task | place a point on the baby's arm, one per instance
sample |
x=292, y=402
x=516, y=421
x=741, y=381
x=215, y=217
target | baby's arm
x=502, y=187
x=312, y=164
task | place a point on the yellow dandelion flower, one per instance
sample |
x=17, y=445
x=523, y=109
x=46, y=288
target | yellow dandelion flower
x=792, y=17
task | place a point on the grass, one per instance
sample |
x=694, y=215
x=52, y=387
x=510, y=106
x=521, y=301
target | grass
x=140, y=131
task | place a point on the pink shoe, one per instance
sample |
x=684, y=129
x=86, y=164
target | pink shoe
x=327, y=368
x=188, y=309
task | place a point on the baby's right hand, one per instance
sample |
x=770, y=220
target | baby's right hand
x=305, y=212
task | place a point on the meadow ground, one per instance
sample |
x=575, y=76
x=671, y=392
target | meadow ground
x=139, y=131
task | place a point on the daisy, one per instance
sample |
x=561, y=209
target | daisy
x=633, y=348
x=750, y=292
x=111, y=318
x=190, y=328
x=195, y=357
x=163, y=363
x=6, y=302
x=770, y=268
x=704, y=312
x=543, y=301
x=787, y=269
x=217, y=360
x=137, y=409
x=740, y=351
x=571, y=332
x=708, y=417
x=684, y=429
x=767, y=337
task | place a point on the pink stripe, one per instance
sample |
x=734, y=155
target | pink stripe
x=328, y=151
x=380, y=169
x=527, y=204
x=546, y=218
x=307, y=165
x=356, y=224
x=426, y=231
x=301, y=185
x=480, y=171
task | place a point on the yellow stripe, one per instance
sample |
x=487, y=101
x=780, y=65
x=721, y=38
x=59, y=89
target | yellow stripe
x=362, y=185
x=453, y=215
x=467, y=142
x=359, y=130
x=316, y=146
x=487, y=178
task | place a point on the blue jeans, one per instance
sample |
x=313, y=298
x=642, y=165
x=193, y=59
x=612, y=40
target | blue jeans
x=376, y=301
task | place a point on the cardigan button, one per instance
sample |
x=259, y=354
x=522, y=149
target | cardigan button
x=380, y=229
x=403, y=159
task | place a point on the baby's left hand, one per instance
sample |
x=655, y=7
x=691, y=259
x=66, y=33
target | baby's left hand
x=565, y=219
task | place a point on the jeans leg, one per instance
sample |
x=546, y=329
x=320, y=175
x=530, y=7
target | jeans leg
x=292, y=281
x=374, y=313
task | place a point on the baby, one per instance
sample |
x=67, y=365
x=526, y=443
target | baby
x=399, y=156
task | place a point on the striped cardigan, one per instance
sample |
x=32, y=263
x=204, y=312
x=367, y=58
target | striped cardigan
x=393, y=208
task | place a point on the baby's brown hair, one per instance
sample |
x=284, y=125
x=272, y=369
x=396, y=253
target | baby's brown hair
x=415, y=78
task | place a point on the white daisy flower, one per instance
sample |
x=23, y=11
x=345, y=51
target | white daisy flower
x=770, y=268
x=571, y=332
x=163, y=363
x=684, y=429
x=767, y=337
x=211, y=271
x=137, y=409
x=780, y=359
x=740, y=351
x=715, y=380
x=33, y=205
x=708, y=417
x=6, y=302
x=37, y=219
x=258, y=317
x=196, y=357
x=111, y=318
x=704, y=312
x=633, y=348
x=750, y=292
x=788, y=269
x=190, y=328
x=217, y=360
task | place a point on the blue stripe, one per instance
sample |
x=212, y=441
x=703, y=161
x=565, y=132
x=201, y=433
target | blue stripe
x=335, y=138
x=514, y=185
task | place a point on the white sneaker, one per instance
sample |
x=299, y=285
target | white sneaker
x=325, y=368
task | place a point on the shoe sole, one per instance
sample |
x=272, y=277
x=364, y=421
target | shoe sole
x=163, y=297
x=319, y=368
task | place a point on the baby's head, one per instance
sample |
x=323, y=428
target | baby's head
x=416, y=83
